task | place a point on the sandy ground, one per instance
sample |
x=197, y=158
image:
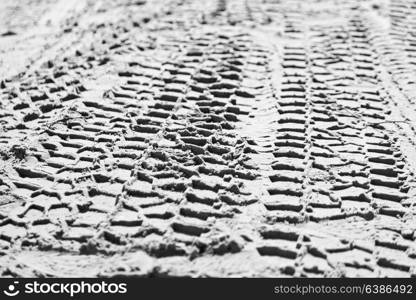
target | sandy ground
x=219, y=138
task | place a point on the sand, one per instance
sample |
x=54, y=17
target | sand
x=207, y=138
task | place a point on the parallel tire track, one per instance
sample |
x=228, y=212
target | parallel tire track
x=224, y=138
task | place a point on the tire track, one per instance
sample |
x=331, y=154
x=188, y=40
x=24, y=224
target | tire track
x=178, y=138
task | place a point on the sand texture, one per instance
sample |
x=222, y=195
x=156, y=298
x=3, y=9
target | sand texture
x=225, y=138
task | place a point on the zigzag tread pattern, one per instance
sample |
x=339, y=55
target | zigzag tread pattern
x=223, y=138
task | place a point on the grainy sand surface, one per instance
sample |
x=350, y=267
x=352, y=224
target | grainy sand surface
x=225, y=138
